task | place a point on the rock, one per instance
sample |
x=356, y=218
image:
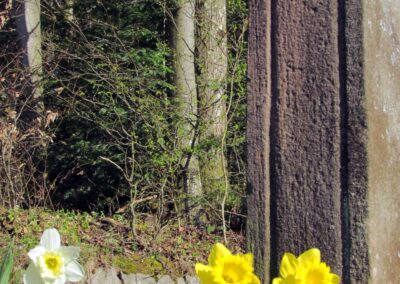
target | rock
x=192, y=280
x=165, y=279
x=128, y=278
x=105, y=276
x=144, y=279
x=137, y=279
x=112, y=276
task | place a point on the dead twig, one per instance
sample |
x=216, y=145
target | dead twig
x=134, y=202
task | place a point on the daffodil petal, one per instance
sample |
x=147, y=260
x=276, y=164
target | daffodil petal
x=60, y=280
x=292, y=279
x=218, y=251
x=69, y=253
x=50, y=239
x=32, y=275
x=35, y=253
x=310, y=257
x=335, y=279
x=74, y=271
x=204, y=272
x=289, y=265
x=249, y=258
x=255, y=279
x=277, y=280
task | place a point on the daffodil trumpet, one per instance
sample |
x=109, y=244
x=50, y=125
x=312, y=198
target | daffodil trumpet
x=305, y=269
x=227, y=268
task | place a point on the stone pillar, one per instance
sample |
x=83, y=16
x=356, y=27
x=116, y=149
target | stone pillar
x=307, y=135
x=258, y=142
x=382, y=88
x=305, y=132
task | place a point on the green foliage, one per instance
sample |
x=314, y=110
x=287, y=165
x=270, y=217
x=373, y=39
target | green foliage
x=108, y=77
x=236, y=91
x=119, y=133
x=6, y=265
x=118, y=137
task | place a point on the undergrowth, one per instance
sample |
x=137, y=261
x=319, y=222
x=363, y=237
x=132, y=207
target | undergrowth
x=109, y=242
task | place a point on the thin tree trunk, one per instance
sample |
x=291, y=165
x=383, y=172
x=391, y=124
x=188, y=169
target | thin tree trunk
x=212, y=65
x=29, y=32
x=69, y=10
x=186, y=94
x=5, y=9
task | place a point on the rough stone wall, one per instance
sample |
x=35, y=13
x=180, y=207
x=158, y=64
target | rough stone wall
x=307, y=134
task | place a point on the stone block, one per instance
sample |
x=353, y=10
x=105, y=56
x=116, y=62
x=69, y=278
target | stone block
x=165, y=279
x=192, y=279
x=137, y=279
x=105, y=276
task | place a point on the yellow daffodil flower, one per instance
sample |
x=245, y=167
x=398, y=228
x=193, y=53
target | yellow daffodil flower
x=305, y=269
x=53, y=263
x=227, y=268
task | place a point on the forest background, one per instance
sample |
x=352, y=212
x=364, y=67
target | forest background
x=126, y=128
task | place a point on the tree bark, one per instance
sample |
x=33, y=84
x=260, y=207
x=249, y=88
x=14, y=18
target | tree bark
x=212, y=66
x=29, y=31
x=5, y=12
x=69, y=10
x=186, y=95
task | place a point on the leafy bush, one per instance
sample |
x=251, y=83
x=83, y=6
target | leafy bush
x=109, y=133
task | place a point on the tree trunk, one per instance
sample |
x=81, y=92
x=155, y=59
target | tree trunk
x=212, y=66
x=5, y=9
x=29, y=32
x=69, y=10
x=186, y=95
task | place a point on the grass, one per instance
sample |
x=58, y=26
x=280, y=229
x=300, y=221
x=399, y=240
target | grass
x=169, y=249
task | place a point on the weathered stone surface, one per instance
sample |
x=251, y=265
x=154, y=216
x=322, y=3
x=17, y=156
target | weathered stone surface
x=137, y=279
x=165, y=279
x=105, y=276
x=192, y=280
x=307, y=134
x=128, y=278
x=112, y=276
x=305, y=131
x=258, y=143
x=144, y=279
x=382, y=86
x=354, y=172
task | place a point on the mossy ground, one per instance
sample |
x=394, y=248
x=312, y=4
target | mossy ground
x=154, y=249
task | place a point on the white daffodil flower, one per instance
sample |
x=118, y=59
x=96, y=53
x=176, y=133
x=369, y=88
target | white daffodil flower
x=53, y=263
